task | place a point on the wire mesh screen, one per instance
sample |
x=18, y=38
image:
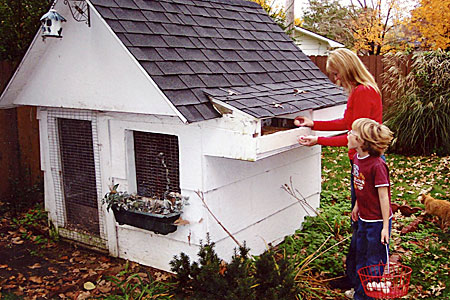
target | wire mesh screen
x=157, y=163
x=78, y=170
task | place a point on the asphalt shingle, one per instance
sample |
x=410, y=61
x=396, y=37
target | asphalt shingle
x=195, y=48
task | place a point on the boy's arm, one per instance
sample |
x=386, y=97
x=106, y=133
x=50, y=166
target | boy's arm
x=355, y=212
x=383, y=195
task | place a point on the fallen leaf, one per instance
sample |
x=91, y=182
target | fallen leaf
x=180, y=222
x=53, y=270
x=9, y=286
x=223, y=267
x=160, y=276
x=104, y=289
x=17, y=241
x=35, y=279
x=88, y=286
x=35, y=266
x=3, y=266
x=83, y=295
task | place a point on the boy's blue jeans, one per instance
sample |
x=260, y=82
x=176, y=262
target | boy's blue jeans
x=369, y=249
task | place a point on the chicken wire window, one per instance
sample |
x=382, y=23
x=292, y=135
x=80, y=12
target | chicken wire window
x=157, y=164
x=78, y=174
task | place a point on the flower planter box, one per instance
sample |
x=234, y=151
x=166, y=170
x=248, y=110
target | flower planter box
x=161, y=224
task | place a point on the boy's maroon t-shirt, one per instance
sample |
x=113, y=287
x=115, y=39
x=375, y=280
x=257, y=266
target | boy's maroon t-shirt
x=370, y=173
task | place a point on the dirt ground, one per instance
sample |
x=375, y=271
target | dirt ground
x=32, y=266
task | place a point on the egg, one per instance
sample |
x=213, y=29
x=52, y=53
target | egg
x=388, y=284
x=297, y=123
x=378, y=286
x=386, y=290
x=369, y=286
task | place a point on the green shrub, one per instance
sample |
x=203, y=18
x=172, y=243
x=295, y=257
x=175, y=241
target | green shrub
x=418, y=111
x=243, y=278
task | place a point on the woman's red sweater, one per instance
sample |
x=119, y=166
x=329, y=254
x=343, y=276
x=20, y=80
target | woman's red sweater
x=363, y=102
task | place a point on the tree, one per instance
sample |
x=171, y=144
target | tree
x=19, y=23
x=330, y=19
x=430, y=23
x=277, y=13
x=372, y=20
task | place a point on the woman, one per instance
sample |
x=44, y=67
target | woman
x=364, y=101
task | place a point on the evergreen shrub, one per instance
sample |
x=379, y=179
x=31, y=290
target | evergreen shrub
x=265, y=277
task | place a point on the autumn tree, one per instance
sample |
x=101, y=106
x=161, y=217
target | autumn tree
x=331, y=19
x=276, y=12
x=19, y=22
x=372, y=20
x=430, y=24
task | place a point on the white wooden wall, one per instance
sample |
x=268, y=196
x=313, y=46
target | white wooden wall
x=311, y=46
x=246, y=196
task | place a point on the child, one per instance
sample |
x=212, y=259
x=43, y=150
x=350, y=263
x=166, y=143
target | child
x=372, y=210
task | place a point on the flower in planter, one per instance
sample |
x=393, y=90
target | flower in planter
x=173, y=202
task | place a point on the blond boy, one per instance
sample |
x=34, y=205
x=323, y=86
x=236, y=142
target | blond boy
x=372, y=210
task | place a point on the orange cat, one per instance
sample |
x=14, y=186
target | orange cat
x=440, y=208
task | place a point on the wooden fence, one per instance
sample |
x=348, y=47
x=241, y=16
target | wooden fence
x=374, y=64
x=20, y=174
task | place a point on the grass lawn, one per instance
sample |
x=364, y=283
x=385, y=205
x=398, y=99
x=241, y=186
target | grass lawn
x=425, y=250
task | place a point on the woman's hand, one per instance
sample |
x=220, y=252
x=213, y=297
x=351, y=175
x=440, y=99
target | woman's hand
x=301, y=121
x=385, y=236
x=308, y=140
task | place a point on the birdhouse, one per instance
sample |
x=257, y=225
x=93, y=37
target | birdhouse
x=52, y=24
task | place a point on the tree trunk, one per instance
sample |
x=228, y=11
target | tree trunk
x=290, y=16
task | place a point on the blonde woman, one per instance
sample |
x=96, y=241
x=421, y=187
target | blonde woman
x=364, y=101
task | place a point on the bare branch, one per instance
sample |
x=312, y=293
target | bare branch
x=303, y=202
x=201, y=196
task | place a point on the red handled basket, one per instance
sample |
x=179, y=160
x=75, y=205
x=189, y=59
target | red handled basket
x=385, y=281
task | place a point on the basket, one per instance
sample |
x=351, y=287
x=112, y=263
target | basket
x=385, y=281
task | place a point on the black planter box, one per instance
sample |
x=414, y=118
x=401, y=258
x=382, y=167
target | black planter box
x=162, y=224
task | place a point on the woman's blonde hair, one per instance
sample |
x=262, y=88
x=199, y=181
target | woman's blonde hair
x=351, y=69
x=376, y=137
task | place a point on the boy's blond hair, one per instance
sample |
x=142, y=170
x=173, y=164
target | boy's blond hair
x=351, y=69
x=376, y=137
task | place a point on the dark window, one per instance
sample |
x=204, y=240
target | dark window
x=157, y=165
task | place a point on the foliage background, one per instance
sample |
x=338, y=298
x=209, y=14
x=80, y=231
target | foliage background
x=19, y=22
x=419, y=109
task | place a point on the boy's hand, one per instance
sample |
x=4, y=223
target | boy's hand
x=355, y=213
x=385, y=236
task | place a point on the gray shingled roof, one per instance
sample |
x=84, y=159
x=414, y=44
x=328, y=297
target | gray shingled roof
x=227, y=49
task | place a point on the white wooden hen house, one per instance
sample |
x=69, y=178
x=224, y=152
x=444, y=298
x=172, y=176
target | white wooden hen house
x=204, y=82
